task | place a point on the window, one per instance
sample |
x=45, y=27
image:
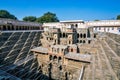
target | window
x=84, y=35
x=12, y=27
x=72, y=50
x=52, y=49
x=94, y=35
x=0, y=28
x=76, y=25
x=59, y=58
x=118, y=29
x=50, y=57
x=55, y=42
x=60, y=67
x=60, y=35
x=63, y=35
x=55, y=57
x=83, y=41
x=104, y=29
x=8, y=27
x=81, y=35
x=77, y=35
x=77, y=41
x=80, y=41
x=62, y=50
x=72, y=25
x=95, y=28
x=108, y=29
x=99, y=28
x=89, y=41
x=69, y=42
x=112, y=28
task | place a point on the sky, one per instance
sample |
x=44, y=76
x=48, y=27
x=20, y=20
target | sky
x=64, y=9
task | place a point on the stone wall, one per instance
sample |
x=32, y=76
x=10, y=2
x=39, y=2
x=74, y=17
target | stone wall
x=116, y=37
x=113, y=41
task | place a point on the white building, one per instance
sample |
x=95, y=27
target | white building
x=112, y=26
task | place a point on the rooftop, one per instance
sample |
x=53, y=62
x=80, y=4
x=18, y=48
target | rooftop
x=70, y=21
x=17, y=22
x=59, y=46
x=40, y=50
x=80, y=57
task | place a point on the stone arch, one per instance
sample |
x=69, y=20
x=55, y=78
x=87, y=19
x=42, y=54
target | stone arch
x=76, y=25
x=60, y=34
x=63, y=35
x=77, y=41
x=0, y=28
x=20, y=28
x=80, y=41
x=59, y=58
x=4, y=27
x=94, y=35
x=77, y=35
x=84, y=35
x=60, y=67
x=69, y=42
x=16, y=27
x=71, y=49
x=89, y=41
x=50, y=57
x=55, y=41
x=62, y=50
x=9, y=28
x=12, y=27
x=72, y=25
x=81, y=35
x=66, y=76
x=83, y=41
x=88, y=33
x=55, y=57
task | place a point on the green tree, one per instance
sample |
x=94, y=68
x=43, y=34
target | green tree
x=48, y=17
x=30, y=18
x=96, y=20
x=6, y=14
x=118, y=17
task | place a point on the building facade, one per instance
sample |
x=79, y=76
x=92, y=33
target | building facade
x=62, y=55
x=9, y=24
x=111, y=26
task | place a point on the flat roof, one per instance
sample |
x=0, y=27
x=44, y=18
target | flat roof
x=70, y=21
x=4, y=21
x=79, y=57
x=59, y=46
x=40, y=50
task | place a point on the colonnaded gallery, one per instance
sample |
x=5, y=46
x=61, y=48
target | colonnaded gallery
x=65, y=50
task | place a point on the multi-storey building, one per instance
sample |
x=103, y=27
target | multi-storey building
x=9, y=24
x=66, y=50
x=61, y=55
x=111, y=26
